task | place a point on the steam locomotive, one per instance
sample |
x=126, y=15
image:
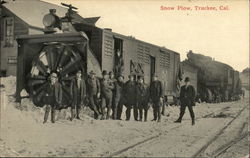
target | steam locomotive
x=216, y=81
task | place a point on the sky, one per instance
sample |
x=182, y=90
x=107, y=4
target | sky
x=221, y=34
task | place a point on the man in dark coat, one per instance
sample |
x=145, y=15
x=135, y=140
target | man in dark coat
x=187, y=98
x=106, y=92
x=93, y=93
x=142, y=97
x=113, y=80
x=130, y=97
x=53, y=97
x=78, y=93
x=156, y=95
x=118, y=98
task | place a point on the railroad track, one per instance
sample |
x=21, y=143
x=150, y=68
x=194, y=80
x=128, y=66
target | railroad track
x=227, y=146
x=116, y=153
x=202, y=150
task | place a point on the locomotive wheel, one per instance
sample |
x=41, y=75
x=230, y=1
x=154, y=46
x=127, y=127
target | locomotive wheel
x=62, y=59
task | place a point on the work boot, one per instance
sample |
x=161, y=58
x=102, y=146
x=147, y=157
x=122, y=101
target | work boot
x=177, y=121
x=193, y=122
x=102, y=117
x=53, y=115
x=153, y=119
x=46, y=115
x=72, y=115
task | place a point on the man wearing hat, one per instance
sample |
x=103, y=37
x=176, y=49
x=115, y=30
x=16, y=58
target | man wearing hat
x=142, y=95
x=156, y=95
x=187, y=98
x=78, y=93
x=130, y=96
x=106, y=92
x=118, y=98
x=93, y=92
x=53, y=97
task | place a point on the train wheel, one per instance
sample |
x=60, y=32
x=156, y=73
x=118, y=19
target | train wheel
x=62, y=59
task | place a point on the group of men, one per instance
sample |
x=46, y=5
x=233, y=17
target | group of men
x=107, y=96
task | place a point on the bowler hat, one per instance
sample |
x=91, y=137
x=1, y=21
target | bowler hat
x=79, y=71
x=120, y=75
x=130, y=75
x=91, y=72
x=111, y=73
x=104, y=72
x=141, y=77
x=187, y=79
x=53, y=75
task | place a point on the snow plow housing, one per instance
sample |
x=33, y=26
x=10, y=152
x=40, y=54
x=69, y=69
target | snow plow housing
x=64, y=54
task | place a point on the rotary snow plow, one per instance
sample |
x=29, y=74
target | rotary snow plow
x=61, y=51
x=41, y=55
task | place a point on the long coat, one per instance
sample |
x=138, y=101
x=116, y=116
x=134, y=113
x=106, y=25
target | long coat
x=119, y=89
x=106, y=88
x=93, y=86
x=53, y=94
x=187, y=95
x=130, y=93
x=78, y=93
x=156, y=91
x=142, y=93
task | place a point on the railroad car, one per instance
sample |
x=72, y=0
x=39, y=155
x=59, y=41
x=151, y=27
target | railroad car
x=85, y=47
x=216, y=81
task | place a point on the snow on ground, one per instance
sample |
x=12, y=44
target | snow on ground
x=24, y=134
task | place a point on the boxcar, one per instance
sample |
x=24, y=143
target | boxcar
x=139, y=57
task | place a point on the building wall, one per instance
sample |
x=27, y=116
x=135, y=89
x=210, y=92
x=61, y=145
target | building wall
x=9, y=51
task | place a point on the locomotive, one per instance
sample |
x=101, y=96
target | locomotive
x=68, y=46
x=216, y=81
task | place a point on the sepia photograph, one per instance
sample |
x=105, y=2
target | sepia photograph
x=124, y=78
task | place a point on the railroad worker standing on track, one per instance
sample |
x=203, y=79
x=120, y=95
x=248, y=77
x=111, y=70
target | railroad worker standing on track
x=130, y=97
x=106, y=92
x=93, y=93
x=53, y=97
x=118, y=98
x=142, y=97
x=156, y=95
x=187, y=98
x=78, y=93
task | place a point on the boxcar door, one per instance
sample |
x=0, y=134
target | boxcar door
x=152, y=67
x=118, y=57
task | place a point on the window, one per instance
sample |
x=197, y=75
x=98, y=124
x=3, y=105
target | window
x=9, y=32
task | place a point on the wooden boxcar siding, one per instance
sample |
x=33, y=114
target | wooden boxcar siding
x=166, y=61
x=108, y=51
x=20, y=28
